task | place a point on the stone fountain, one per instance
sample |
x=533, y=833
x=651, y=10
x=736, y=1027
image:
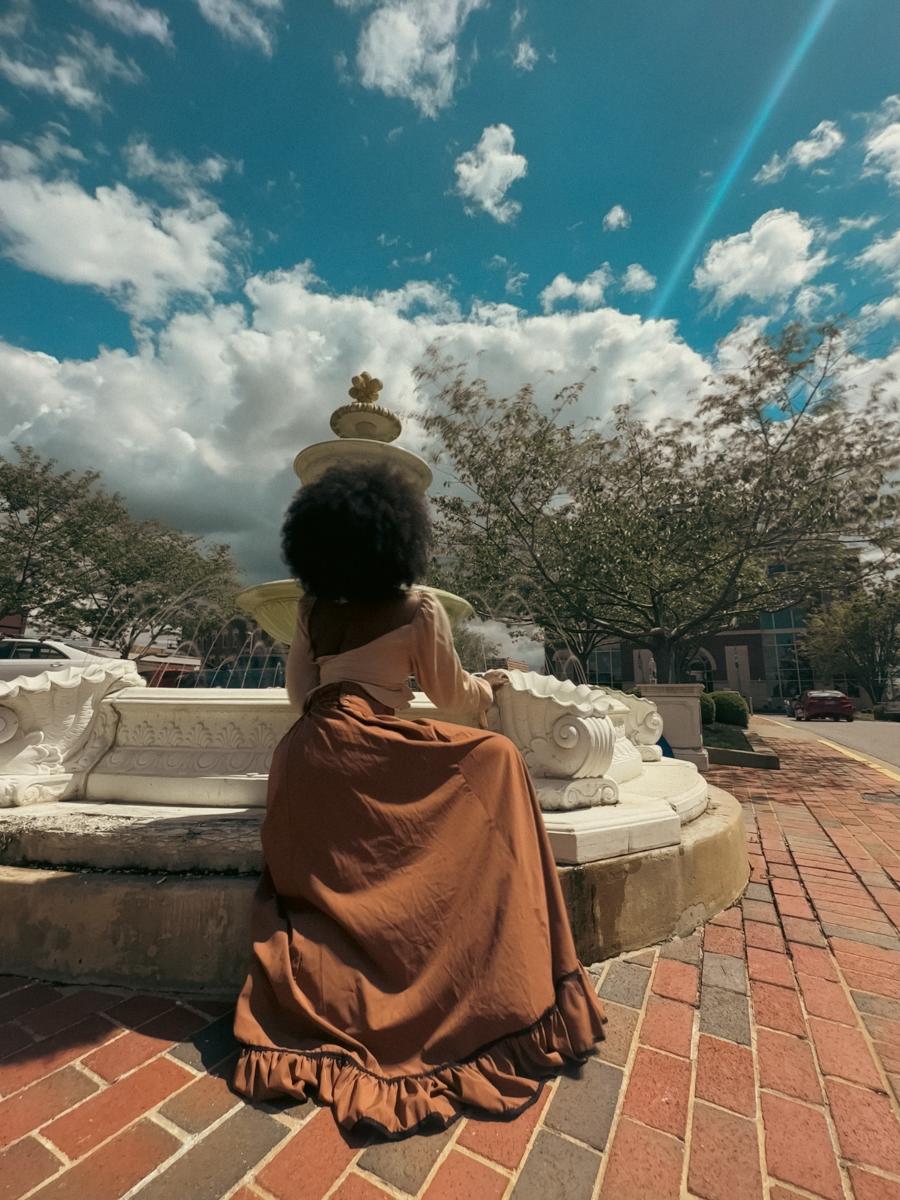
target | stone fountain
x=99, y=773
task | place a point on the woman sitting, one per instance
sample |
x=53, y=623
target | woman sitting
x=412, y=955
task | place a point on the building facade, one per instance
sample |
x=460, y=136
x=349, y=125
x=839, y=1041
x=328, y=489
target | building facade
x=764, y=662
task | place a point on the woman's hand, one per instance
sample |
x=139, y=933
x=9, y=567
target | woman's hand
x=497, y=679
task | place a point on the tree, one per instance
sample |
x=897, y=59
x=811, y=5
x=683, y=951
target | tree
x=50, y=525
x=473, y=647
x=859, y=635
x=149, y=580
x=664, y=534
x=75, y=562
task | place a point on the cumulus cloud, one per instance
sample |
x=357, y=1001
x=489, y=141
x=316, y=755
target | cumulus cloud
x=883, y=143
x=248, y=22
x=173, y=171
x=772, y=259
x=75, y=75
x=141, y=255
x=485, y=173
x=525, y=56
x=131, y=18
x=587, y=294
x=638, y=279
x=617, y=218
x=823, y=141
x=408, y=48
x=200, y=426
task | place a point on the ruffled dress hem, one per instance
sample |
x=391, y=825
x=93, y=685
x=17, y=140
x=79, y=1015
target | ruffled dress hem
x=499, y=1080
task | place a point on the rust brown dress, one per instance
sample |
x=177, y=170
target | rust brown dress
x=412, y=955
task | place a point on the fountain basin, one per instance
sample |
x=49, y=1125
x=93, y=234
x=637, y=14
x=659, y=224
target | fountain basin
x=159, y=897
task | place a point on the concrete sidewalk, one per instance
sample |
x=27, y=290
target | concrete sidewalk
x=758, y=1058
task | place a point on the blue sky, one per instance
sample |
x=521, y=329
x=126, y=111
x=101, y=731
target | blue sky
x=213, y=212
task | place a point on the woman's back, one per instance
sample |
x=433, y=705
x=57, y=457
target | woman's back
x=336, y=628
x=379, y=646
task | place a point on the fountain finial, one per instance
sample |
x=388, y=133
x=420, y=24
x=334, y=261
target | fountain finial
x=365, y=389
x=365, y=418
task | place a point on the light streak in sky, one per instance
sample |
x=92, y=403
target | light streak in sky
x=726, y=180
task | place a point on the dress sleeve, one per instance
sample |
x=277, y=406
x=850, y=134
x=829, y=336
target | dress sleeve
x=301, y=674
x=436, y=665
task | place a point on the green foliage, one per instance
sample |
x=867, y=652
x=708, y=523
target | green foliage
x=859, y=635
x=75, y=562
x=730, y=709
x=663, y=532
x=707, y=708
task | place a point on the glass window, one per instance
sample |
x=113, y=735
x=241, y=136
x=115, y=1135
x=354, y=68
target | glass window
x=788, y=673
x=604, y=668
x=24, y=650
x=48, y=652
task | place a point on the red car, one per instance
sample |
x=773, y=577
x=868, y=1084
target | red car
x=813, y=705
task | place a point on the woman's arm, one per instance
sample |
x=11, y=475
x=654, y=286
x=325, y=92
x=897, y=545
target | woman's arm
x=301, y=673
x=436, y=664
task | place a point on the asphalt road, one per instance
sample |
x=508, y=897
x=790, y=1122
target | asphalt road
x=880, y=739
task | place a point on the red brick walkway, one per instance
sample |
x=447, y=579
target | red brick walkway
x=758, y=1058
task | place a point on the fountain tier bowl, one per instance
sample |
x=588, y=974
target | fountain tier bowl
x=274, y=606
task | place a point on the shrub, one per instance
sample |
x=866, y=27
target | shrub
x=731, y=709
x=707, y=708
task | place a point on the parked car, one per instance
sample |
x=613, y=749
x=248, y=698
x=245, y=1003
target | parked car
x=815, y=705
x=31, y=656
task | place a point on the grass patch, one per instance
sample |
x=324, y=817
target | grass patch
x=725, y=737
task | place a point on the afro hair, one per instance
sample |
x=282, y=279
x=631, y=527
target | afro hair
x=359, y=532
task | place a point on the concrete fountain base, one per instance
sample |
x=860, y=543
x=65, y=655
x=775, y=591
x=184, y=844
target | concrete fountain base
x=159, y=897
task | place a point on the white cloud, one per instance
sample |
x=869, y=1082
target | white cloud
x=772, y=259
x=883, y=143
x=525, y=56
x=74, y=76
x=809, y=300
x=617, y=218
x=174, y=171
x=408, y=48
x=587, y=294
x=883, y=256
x=199, y=427
x=851, y=224
x=515, y=279
x=823, y=141
x=139, y=254
x=485, y=173
x=638, y=279
x=132, y=18
x=248, y=22
x=53, y=144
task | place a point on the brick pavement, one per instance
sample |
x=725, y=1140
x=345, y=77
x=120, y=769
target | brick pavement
x=758, y=1058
